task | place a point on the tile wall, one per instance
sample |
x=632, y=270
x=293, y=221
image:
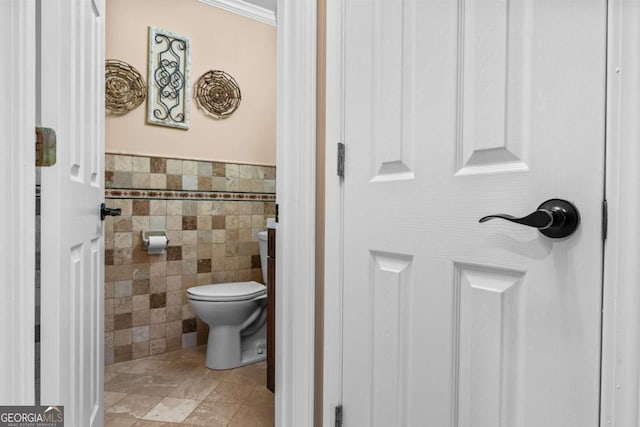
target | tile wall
x=212, y=212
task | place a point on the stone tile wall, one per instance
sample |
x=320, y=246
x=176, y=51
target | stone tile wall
x=212, y=213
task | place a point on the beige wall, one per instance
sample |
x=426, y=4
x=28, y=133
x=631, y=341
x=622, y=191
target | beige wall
x=244, y=48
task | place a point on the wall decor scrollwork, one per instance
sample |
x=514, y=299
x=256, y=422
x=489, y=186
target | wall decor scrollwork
x=125, y=89
x=218, y=94
x=169, y=58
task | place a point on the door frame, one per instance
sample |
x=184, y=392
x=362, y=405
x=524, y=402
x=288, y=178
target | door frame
x=295, y=196
x=621, y=302
x=620, y=387
x=295, y=189
x=334, y=202
x=17, y=220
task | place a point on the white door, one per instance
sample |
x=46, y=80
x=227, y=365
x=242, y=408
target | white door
x=71, y=76
x=455, y=110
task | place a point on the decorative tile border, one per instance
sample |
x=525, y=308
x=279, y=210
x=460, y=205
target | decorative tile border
x=187, y=195
x=166, y=174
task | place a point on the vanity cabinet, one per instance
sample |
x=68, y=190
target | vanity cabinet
x=271, y=309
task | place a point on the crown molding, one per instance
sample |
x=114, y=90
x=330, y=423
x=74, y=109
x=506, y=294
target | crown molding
x=246, y=9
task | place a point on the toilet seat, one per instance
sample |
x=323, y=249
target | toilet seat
x=237, y=291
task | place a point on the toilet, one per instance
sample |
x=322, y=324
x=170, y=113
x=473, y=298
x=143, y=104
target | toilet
x=237, y=316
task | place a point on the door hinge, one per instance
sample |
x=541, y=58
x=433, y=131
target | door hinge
x=45, y=147
x=339, y=416
x=605, y=219
x=341, y=159
x=277, y=213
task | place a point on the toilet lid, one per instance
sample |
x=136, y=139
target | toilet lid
x=237, y=291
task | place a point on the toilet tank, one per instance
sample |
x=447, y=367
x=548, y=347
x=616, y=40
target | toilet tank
x=262, y=242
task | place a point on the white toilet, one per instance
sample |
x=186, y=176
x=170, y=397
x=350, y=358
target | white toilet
x=237, y=317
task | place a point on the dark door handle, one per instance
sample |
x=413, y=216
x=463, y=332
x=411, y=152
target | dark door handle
x=104, y=211
x=555, y=218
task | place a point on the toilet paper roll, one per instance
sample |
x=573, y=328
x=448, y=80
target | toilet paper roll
x=157, y=245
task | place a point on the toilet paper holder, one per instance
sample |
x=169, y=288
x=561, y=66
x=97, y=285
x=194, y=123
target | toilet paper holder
x=147, y=234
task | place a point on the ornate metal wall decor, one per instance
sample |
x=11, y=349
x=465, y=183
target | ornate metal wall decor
x=124, y=87
x=218, y=94
x=169, y=57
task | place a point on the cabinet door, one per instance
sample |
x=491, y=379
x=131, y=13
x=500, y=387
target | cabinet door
x=271, y=311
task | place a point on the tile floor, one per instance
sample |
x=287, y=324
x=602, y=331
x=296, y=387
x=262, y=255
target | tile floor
x=176, y=389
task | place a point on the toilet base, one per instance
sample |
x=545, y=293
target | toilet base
x=227, y=350
x=250, y=357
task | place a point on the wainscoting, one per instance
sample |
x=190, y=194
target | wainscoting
x=212, y=212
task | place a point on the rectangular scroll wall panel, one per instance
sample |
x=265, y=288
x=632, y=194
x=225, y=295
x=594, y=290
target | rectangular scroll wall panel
x=488, y=346
x=390, y=283
x=392, y=91
x=494, y=37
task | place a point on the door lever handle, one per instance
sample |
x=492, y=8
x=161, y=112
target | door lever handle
x=104, y=211
x=555, y=218
x=540, y=219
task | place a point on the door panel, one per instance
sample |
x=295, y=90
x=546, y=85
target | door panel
x=71, y=102
x=389, y=288
x=464, y=109
x=493, y=94
x=488, y=321
x=391, y=95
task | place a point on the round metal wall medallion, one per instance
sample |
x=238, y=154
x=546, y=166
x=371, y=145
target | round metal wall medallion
x=218, y=94
x=125, y=89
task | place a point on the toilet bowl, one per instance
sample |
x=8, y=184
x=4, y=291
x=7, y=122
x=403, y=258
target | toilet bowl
x=236, y=314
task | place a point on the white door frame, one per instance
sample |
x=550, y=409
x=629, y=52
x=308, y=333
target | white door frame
x=332, y=357
x=295, y=270
x=621, y=306
x=296, y=196
x=18, y=188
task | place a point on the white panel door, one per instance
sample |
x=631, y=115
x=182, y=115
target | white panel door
x=453, y=110
x=72, y=102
